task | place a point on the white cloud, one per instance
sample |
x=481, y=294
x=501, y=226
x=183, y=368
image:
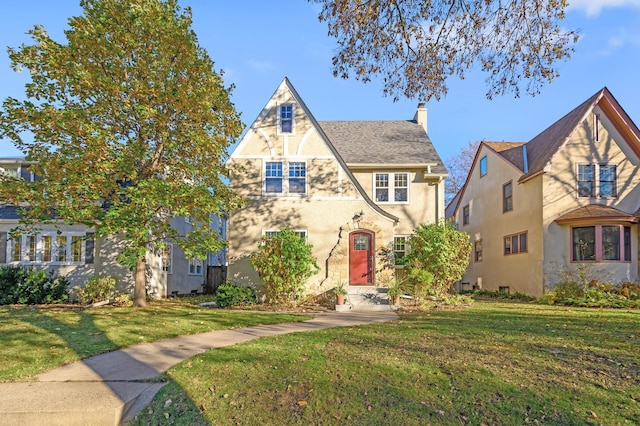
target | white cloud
x=594, y=7
x=260, y=66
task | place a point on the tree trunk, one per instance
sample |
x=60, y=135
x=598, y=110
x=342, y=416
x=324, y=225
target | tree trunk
x=140, y=290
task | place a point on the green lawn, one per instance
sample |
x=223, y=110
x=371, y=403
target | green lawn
x=492, y=363
x=33, y=340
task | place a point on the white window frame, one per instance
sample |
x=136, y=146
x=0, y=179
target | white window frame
x=302, y=232
x=391, y=188
x=407, y=248
x=596, y=180
x=196, y=266
x=26, y=247
x=168, y=248
x=285, y=178
x=293, y=115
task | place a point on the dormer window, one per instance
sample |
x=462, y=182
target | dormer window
x=286, y=118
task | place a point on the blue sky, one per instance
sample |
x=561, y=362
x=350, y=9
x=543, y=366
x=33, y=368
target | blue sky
x=257, y=43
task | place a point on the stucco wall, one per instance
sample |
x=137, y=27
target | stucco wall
x=521, y=272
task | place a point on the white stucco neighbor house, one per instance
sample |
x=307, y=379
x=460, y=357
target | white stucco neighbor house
x=567, y=199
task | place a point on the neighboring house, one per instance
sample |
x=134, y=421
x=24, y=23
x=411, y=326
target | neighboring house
x=354, y=189
x=72, y=250
x=566, y=201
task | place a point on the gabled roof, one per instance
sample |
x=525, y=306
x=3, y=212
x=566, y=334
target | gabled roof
x=510, y=151
x=532, y=157
x=542, y=148
x=400, y=142
x=287, y=84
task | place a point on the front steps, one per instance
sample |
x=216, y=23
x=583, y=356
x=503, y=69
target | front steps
x=366, y=299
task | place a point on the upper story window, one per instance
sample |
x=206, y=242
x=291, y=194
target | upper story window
x=600, y=179
x=285, y=177
x=391, y=187
x=465, y=215
x=285, y=118
x=601, y=243
x=483, y=166
x=507, y=197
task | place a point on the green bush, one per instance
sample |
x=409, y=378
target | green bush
x=229, y=294
x=596, y=294
x=285, y=261
x=568, y=290
x=31, y=286
x=96, y=289
x=495, y=294
x=439, y=257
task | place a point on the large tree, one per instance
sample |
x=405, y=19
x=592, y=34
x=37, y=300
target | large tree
x=128, y=125
x=415, y=45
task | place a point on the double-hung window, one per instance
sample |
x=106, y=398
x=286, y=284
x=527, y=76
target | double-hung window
x=285, y=118
x=597, y=179
x=477, y=249
x=195, y=266
x=400, y=248
x=507, y=197
x=391, y=187
x=465, y=215
x=166, y=257
x=285, y=177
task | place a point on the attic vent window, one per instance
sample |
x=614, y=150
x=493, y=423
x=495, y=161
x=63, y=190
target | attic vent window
x=596, y=127
x=286, y=118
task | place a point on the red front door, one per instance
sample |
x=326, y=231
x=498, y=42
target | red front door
x=361, y=258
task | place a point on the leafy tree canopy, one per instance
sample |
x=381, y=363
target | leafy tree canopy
x=128, y=125
x=415, y=45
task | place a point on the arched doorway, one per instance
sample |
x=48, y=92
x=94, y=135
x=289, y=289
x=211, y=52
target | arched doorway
x=361, y=250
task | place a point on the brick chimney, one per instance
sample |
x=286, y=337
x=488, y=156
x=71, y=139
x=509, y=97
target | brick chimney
x=421, y=116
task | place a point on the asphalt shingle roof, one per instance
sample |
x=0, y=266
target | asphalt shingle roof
x=382, y=142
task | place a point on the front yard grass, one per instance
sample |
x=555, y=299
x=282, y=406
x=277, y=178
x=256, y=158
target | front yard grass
x=37, y=339
x=492, y=363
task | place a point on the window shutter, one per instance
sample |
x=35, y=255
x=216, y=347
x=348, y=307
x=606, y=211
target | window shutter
x=89, y=248
x=3, y=247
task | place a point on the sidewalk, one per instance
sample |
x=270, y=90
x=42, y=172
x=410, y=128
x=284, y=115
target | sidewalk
x=111, y=388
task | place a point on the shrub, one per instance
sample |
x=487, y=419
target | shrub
x=285, y=261
x=568, y=290
x=499, y=295
x=439, y=257
x=31, y=286
x=96, y=289
x=229, y=294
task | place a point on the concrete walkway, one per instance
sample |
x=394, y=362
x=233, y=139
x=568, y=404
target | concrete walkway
x=110, y=388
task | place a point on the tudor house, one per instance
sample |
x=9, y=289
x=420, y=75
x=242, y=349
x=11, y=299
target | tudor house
x=567, y=200
x=354, y=189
